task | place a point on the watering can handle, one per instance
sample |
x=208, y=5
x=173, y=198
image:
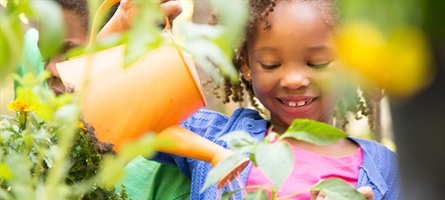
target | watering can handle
x=101, y=11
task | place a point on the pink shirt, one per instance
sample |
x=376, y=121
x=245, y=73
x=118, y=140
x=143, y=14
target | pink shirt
x=309, y=168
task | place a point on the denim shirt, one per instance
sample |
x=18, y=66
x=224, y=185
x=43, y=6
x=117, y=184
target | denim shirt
x=378, y=170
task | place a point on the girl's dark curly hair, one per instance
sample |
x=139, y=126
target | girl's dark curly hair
x=360, y=103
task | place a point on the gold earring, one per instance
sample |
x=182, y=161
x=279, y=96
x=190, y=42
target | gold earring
x=248, y=75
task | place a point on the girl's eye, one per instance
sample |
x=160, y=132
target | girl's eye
x=270, y=66
x=319, y=66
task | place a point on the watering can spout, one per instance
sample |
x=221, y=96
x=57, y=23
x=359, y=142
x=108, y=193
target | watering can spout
x=182, y=142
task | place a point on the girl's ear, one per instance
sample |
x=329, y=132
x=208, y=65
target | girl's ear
x=246, y=72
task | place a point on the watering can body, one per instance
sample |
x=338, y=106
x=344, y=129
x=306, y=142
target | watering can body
x=153, y=95
x=159, y=90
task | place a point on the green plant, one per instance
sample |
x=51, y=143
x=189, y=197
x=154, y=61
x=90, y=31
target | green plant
x=274, y=149
x=51, y=157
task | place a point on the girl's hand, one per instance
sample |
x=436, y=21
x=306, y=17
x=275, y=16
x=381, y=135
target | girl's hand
x=365, y=191
x=123, y=16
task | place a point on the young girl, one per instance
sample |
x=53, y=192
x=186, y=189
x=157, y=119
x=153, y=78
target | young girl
x=288, y=62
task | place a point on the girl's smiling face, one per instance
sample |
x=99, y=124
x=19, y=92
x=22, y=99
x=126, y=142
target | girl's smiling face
x=293, y=64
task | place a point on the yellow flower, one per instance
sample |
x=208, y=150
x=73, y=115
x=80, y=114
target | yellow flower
x=398, y=62
x=81, y=126
x=20, y=105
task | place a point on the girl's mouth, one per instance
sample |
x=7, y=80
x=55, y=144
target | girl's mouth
x=298, y=103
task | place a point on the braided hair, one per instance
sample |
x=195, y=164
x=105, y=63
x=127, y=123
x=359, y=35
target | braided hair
x=360, y=102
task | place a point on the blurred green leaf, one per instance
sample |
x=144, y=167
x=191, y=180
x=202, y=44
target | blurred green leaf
x=338, y=189
x=206, y=48
x=144, y=146
x=385, y=14
x=276, y=161
x=144, y=38
x=233, y=16
x=112, y=172
x=11, y=44
x=51, y=29
x=6, y=172
x=222, y=169
x=21, y=184
x=314, y=132
x=240, y=141
x=212, y=46
x=256, y=195
x=227, y=195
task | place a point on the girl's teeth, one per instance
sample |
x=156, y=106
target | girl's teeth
x=296, y=103
x=301, y=103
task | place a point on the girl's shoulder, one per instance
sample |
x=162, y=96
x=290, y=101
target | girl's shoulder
x=378, y=159
x=211, y=122
x=380, y=168
x=373, y=148
x=204, y=116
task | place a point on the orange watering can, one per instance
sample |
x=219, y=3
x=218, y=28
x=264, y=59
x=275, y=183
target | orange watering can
x=154, y=94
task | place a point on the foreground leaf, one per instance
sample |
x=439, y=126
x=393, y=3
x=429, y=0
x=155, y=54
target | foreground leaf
x=275, y=160
x=337, y=189
x=240, y=141
x=314, y=132
x=221, y=170
x=256, y=195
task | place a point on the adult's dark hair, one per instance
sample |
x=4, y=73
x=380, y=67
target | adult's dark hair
x=80, y=8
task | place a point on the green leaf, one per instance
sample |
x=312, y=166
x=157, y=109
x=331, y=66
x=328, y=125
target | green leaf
x=111, y=173
x=240, y=141
x=146, y=37
x=233, y=15
x=257, y=195
x=20, y=166
x=227, y=195
x=315, y=132
x=210, y=38
x=145, y=146
x=11, y=43
x=337, y=189
x=221, y=170
x=275, y=160
x=6, y=173
x=52, y=26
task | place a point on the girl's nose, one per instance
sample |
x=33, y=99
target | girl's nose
x=295, y=79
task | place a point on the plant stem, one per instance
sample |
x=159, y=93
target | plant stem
x=23, y=115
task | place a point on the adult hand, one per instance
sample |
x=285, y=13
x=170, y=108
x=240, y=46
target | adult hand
x=366, y=191
x=123, y=17
x=171, y=9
